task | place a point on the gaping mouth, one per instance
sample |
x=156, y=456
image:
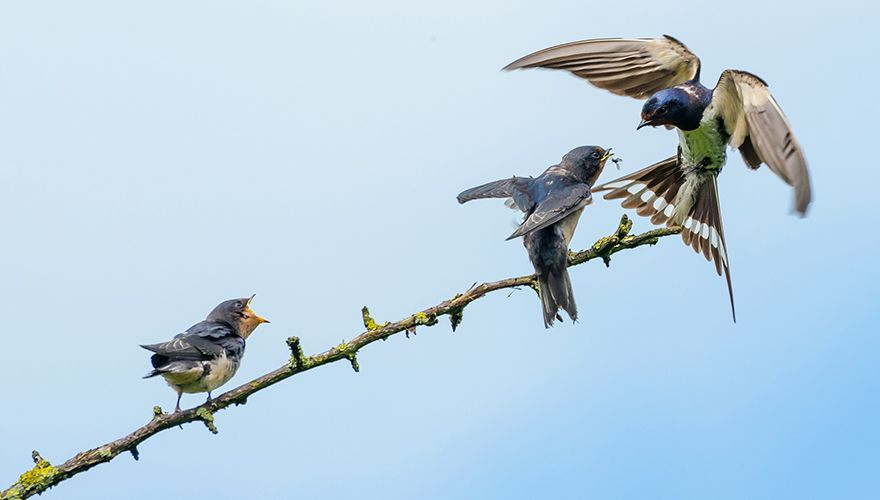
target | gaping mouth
x=608, y=154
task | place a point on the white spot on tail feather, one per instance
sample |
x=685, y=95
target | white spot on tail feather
x=659, y=204
x=636, y=188
x=647, y=196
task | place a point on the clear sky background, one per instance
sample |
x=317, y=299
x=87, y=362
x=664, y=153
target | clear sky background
x=159, y=157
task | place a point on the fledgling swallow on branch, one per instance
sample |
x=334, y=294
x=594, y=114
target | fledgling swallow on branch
x=208, y=354
x=552, y=203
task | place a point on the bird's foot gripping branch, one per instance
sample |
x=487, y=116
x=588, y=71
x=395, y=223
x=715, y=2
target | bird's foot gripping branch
x=44, y=475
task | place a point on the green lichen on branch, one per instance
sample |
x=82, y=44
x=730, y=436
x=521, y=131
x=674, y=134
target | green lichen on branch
x=36, y=480
x=369, y=323
x=208, y=418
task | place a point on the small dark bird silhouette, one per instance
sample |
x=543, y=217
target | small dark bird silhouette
x=208, y=354
x=739, y=112
x=552, y=203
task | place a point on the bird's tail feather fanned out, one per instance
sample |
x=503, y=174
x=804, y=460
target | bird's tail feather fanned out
x=654, y=193
x=651, y=191
x=704, y=232
x=556, y=292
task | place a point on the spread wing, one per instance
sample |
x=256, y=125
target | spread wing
x=759, y=129
x=558, y=204
x=635, y=67
x=515, y=188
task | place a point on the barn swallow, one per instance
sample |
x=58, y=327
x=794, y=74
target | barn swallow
x=739, y=112
x=208, y=354
x=552, y=203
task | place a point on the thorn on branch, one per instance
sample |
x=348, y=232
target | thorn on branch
x=352, y=358
x=135, y=453
x=297, y=360
x=456, y=314
x=208, y=418
x=409, y=330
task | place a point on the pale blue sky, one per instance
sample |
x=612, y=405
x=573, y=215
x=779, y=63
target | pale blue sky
x=159, y=157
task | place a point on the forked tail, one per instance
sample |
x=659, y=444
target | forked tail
x=666, y=194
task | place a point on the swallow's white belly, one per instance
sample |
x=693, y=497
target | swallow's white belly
x=219, y=371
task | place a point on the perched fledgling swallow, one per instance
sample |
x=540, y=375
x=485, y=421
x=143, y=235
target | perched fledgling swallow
x=208, y=354
x=739, y=112
x=552, y=203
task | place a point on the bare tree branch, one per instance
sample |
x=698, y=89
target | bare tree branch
x=44, y=475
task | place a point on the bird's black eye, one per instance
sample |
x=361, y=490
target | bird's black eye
x=237, y=305
x=595, y=154
x=662, y=110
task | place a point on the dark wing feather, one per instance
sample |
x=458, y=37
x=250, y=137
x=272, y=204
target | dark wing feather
x=515, y=188
x=201, y=341
x=759, y=129
x=559, y=203
x=635, y=67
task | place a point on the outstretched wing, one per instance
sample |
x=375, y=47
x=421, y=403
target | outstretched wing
x=635, y=67
x=558, y=204
x=759, y=129
x=515, y=188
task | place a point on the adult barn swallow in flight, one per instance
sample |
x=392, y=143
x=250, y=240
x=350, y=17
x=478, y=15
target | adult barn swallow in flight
x=739, y=112
x=552, y=203
x=208, y=354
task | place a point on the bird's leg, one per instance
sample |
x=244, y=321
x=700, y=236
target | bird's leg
x=209, y=397
x=177, y=407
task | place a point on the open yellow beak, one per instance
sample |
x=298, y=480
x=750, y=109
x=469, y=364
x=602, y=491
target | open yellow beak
x=251, y=312
x=608, y=154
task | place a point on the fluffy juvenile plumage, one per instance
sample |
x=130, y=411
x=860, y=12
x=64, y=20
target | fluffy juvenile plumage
x=208, y=354
x=739, y=112
x=552, y=203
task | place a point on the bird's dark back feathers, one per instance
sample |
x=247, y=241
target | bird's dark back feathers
x=203, y=341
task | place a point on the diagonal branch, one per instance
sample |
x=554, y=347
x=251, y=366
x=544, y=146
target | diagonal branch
x=44, y=475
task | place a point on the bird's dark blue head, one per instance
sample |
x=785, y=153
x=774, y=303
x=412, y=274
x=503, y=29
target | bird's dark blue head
x=238, y=314
x=586, y=162
x=675, y=107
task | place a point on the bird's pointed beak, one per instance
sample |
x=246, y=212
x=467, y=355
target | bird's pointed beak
x=608, y=154
x=260, y=319
x=643, y=123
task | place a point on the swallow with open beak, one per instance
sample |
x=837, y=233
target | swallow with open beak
x=553, y=203
x=208, y=354
x=739, y=112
